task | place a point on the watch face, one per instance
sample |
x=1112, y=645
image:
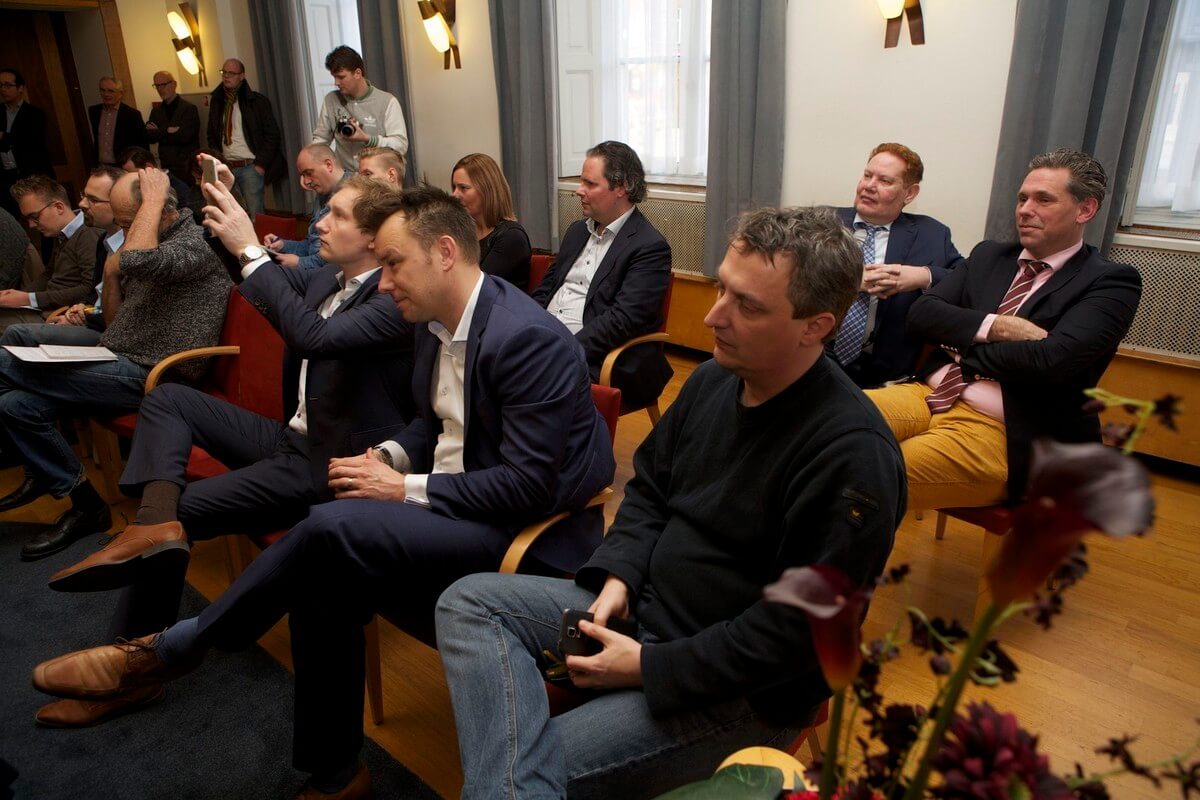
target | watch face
x=251, y=252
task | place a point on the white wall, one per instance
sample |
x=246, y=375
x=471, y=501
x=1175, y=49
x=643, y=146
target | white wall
x=944, y=99
x=455, y=111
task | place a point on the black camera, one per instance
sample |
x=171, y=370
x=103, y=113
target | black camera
x=344, y=125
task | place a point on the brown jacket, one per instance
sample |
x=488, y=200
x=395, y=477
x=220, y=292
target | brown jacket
x=68, y=277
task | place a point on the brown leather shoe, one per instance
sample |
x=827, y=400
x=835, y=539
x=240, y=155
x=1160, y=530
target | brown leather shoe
x=118, y=563
x=82, y=713
x=359, y=788
x=101, y=673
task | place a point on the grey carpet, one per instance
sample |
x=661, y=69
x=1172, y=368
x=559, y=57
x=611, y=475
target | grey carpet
x=222, y=732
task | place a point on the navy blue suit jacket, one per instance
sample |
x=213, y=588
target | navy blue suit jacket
x=534, y=443
x=624, y=300
x=918, y=241
x=358, y=391
x=1087, y=307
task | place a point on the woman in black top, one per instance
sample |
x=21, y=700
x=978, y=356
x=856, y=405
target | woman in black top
x=504, y=249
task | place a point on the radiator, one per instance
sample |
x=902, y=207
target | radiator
x=1168, y=318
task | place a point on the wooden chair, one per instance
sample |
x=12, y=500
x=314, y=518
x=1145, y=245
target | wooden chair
x=608, y=403
x=658, y=336
x=283, y=227
x=539, y=265
x=810, y=735
x=996, y=521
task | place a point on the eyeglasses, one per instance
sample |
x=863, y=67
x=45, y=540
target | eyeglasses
x=96, y=201
x=164, y=83
x=7, y=85
x=231, y=72
x=35, y=216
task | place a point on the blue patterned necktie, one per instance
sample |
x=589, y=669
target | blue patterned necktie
x=853, y=333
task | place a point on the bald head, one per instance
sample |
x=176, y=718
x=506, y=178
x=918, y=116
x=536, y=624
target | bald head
x=126, y=199
x=165, y=85
x=318, y=168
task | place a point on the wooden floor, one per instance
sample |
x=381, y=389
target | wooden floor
x=1124, y=658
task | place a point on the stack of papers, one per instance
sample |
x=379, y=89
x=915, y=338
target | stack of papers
x=61, y=354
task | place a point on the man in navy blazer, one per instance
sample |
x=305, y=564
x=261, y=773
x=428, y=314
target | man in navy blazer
x=507, y=434
x=347, y=384
x=115, y=126
x=909, y=254
x=1020, y=330
x=611, y=274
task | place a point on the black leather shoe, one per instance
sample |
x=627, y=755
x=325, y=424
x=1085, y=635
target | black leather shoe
x=24, y=494
x=71, y=526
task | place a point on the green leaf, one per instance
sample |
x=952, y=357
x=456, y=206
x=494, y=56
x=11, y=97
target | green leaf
x=735, y=782
x=1017, y=790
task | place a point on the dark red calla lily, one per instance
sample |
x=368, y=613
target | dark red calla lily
x=1073, y=489
x=834, y=607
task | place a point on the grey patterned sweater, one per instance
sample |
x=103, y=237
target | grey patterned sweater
x=174, y=299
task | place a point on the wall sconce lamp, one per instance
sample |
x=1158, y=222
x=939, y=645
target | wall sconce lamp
x=892, y=11
x=187, y=41
x=438, y=16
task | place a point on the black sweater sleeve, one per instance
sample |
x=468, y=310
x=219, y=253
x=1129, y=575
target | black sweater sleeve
x=508, y=255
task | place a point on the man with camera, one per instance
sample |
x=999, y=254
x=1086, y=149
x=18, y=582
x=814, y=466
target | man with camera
x=358, y=114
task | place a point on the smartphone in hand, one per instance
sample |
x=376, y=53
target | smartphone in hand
x=574, y=642
x=208, y=169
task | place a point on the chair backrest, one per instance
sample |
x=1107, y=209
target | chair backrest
x=608, y=403
x=254, y=378
x=283, y=227
x=539, y=265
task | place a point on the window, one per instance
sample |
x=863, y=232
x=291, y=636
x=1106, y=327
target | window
x=644, y=82
x=1168, y=192
x=329, y=23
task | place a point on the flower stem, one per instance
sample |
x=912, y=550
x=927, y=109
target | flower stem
x=954, y=690
x=829, y=774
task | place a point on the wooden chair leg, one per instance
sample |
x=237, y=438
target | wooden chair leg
x=374, y=671
x=813, y=740
x=941, y=526
x=991, y=545
x=108, y=453
x=654, y=413
x=235, y=555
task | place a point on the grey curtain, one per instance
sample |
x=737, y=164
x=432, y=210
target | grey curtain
x=1080, y=77
x=383, y=53
x=745, y=115
x=276, y=27
x=523, y=52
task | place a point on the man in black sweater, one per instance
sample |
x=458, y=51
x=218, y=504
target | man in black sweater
x=769, y=458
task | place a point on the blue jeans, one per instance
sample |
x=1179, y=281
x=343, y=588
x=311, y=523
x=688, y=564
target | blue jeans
x=33, y=396
x=251, y=185
x=491, y=630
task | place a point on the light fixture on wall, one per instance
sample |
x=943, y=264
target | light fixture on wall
x=186, y=39
x=438, y=16
x=892, y=11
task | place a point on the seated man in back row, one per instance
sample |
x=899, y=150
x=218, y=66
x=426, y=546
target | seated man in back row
x=321, y=173
x=1021, y=329
x=612, y=271
x=770, y=458
x=508, y=434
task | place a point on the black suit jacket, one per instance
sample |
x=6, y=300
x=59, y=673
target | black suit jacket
x=534, y=444
x=918, y=241
x=358, y=391
x=130, y=130
x=174, y=149
x=624, y=300
x=27, y=141
x=258, y=127
x=1087, y=307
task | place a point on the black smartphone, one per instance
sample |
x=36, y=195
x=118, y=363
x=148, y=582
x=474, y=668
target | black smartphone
x=574, y=642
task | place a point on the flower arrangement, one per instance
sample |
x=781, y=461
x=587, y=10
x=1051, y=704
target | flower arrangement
x=912, y=752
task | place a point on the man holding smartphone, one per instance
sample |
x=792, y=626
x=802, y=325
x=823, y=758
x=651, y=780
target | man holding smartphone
x=770, y=458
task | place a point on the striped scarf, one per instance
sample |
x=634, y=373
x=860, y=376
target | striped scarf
x=230, y=99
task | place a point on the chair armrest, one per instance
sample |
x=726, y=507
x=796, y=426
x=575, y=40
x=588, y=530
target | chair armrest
x=530, y=533
x=187, y=355
x=56, y=313
x=610, y=360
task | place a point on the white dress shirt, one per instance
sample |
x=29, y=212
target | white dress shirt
x=568, y=302
x=448, y=396
x=111, y=244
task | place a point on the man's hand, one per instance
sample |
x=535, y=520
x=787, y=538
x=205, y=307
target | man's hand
x=613, y=601
x=365, y=477
x=155, y=185
x=1015, y=329
x=75, y=315
x=224, y=173
x=288, y=259
x=273, y=242
x=173, y=129
x=226, y=219
x=259, y=170
x=150, y=126
x=617, y=666
x=885, y=280
x=13, y=298
x=357, y=136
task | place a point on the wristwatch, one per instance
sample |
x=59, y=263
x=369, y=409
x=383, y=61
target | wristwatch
x=250, y=252
x=384, y=456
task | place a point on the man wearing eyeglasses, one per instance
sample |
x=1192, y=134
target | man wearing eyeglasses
x=115, y=126
x=22, y=138
x=46, y=208
x=242, y=126
x=174, y=125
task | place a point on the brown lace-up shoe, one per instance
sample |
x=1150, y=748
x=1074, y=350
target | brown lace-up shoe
x=118, y=563
x=82, y=713
x=359, y=788
x=101, y=673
